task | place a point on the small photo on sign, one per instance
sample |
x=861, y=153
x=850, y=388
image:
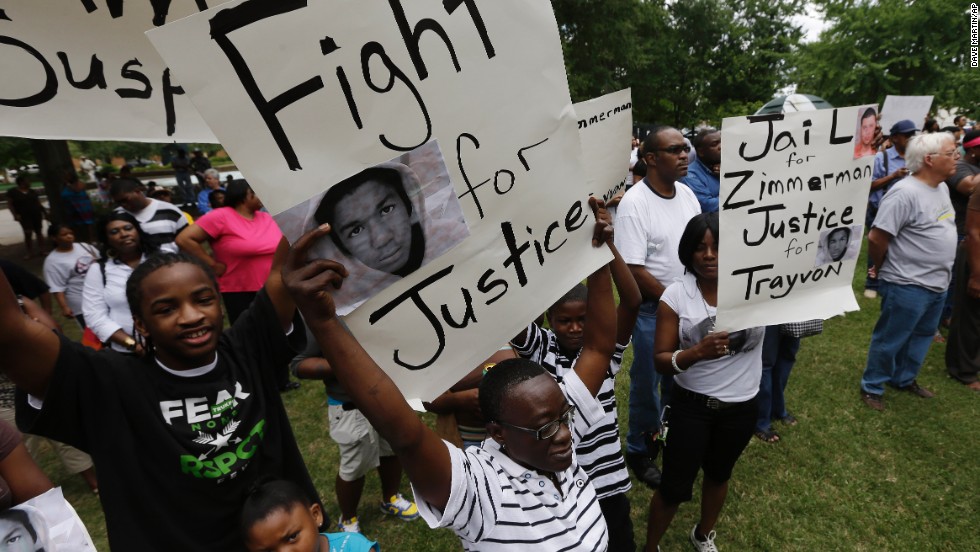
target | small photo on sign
x=864, y=135
x=387, y=221
x=839, y=244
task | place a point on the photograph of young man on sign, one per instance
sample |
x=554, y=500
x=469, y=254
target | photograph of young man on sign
x=864, y=136
x=839, y=244
x=388, y=221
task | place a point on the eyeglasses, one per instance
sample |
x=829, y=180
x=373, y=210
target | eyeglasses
x=548, y=430
x=954, y=154
x=675, y=150
x=123, y=228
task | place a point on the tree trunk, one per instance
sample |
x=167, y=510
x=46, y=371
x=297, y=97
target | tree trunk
x=55, y=162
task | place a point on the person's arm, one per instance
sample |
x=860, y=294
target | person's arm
x=280, y=296
x=889, y=179
x=629, y=297
x=96, y=311
x=650, y=288
x=599, y=340
x=972, y=245
x=10, y=205
x=423, y=455
x=878, y=241
x=191, y=240
x=313, y=368
x=59, y=297
x=30, y=349
x=22, y=474
x=57, y=282
x=667, y=342
x=45, y=300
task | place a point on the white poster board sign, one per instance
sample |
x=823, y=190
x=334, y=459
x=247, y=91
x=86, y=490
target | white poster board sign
x=793, y=199
x=897, y=108
x=83, y=69
x=314, y=92
x=605, y=127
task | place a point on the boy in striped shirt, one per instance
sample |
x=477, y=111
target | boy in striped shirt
x=557, y=350
x=523, y=488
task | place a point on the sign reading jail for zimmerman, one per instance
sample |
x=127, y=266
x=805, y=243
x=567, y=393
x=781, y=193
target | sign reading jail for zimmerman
x=793, y=199
x=313, y=93
x=83, y=69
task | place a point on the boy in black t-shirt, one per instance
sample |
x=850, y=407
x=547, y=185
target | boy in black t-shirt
x=178, y=436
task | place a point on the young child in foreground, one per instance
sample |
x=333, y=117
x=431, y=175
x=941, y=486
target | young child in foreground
x=522, y=489
x=557, y=349
x=277, y=515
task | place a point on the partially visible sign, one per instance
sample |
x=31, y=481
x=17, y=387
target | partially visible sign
x=604, y=127
x=897, y=108
x=82, y=69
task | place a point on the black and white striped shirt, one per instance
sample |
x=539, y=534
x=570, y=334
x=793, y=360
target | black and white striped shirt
x=161, y=222
x=600, y=451
x=496, y=504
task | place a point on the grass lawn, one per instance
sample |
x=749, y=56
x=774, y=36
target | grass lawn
x=844, y=478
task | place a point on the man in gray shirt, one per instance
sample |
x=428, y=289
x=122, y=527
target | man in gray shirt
x=912, y=246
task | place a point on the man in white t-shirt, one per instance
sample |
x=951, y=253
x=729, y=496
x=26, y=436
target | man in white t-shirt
x=912, y=246
x=649, y=223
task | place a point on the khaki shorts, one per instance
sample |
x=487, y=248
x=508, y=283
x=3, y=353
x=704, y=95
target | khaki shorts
x=360, y=445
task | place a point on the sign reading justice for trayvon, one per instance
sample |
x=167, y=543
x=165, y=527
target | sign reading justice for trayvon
x=83, y=69
x=793, y=198
x=374, y=96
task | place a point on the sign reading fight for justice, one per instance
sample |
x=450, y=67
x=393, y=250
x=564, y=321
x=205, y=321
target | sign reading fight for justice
x=83, y=69
x=792, y=204
x=305, y=94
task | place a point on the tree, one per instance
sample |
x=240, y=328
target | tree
x=872, y=49
x=687, y=62
x=15, y=152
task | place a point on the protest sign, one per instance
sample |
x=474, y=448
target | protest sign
x=793, y=198
x=604, y=127
x=315, y=92
x=84, y=70
x=897, y=108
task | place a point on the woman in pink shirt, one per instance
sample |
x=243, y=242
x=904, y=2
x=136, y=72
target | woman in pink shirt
x=243, y=240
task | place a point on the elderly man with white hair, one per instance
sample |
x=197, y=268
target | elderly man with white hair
x=912, y=245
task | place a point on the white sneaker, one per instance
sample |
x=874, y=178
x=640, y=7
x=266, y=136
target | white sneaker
x=349, y=525
x=707, y=545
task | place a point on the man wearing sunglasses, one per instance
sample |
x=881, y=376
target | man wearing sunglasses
x=523, y=488
x=649, y=223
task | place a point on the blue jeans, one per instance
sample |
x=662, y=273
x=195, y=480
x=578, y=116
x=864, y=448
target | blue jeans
x=902, y=335
x=778, y=356
x=644, y=407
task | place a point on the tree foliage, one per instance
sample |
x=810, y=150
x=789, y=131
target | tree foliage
x=872, y=49
x=687, y=61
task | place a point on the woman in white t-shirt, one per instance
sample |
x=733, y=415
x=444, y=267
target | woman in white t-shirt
x=65, y=268
x=716, y=377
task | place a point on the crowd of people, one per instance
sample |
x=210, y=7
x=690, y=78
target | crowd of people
x=181, y=414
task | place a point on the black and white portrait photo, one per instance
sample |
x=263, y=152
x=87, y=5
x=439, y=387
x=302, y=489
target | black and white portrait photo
x=387, y=221
x=839, y=244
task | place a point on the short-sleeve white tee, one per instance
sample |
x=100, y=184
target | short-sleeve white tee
x=649, y=228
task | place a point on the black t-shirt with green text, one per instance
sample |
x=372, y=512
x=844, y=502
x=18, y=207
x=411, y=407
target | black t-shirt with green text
x=176, y=455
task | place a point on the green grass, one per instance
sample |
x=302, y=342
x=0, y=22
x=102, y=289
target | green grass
x=844, y=478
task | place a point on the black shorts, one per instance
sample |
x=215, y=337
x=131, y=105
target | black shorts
x=700, y=437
